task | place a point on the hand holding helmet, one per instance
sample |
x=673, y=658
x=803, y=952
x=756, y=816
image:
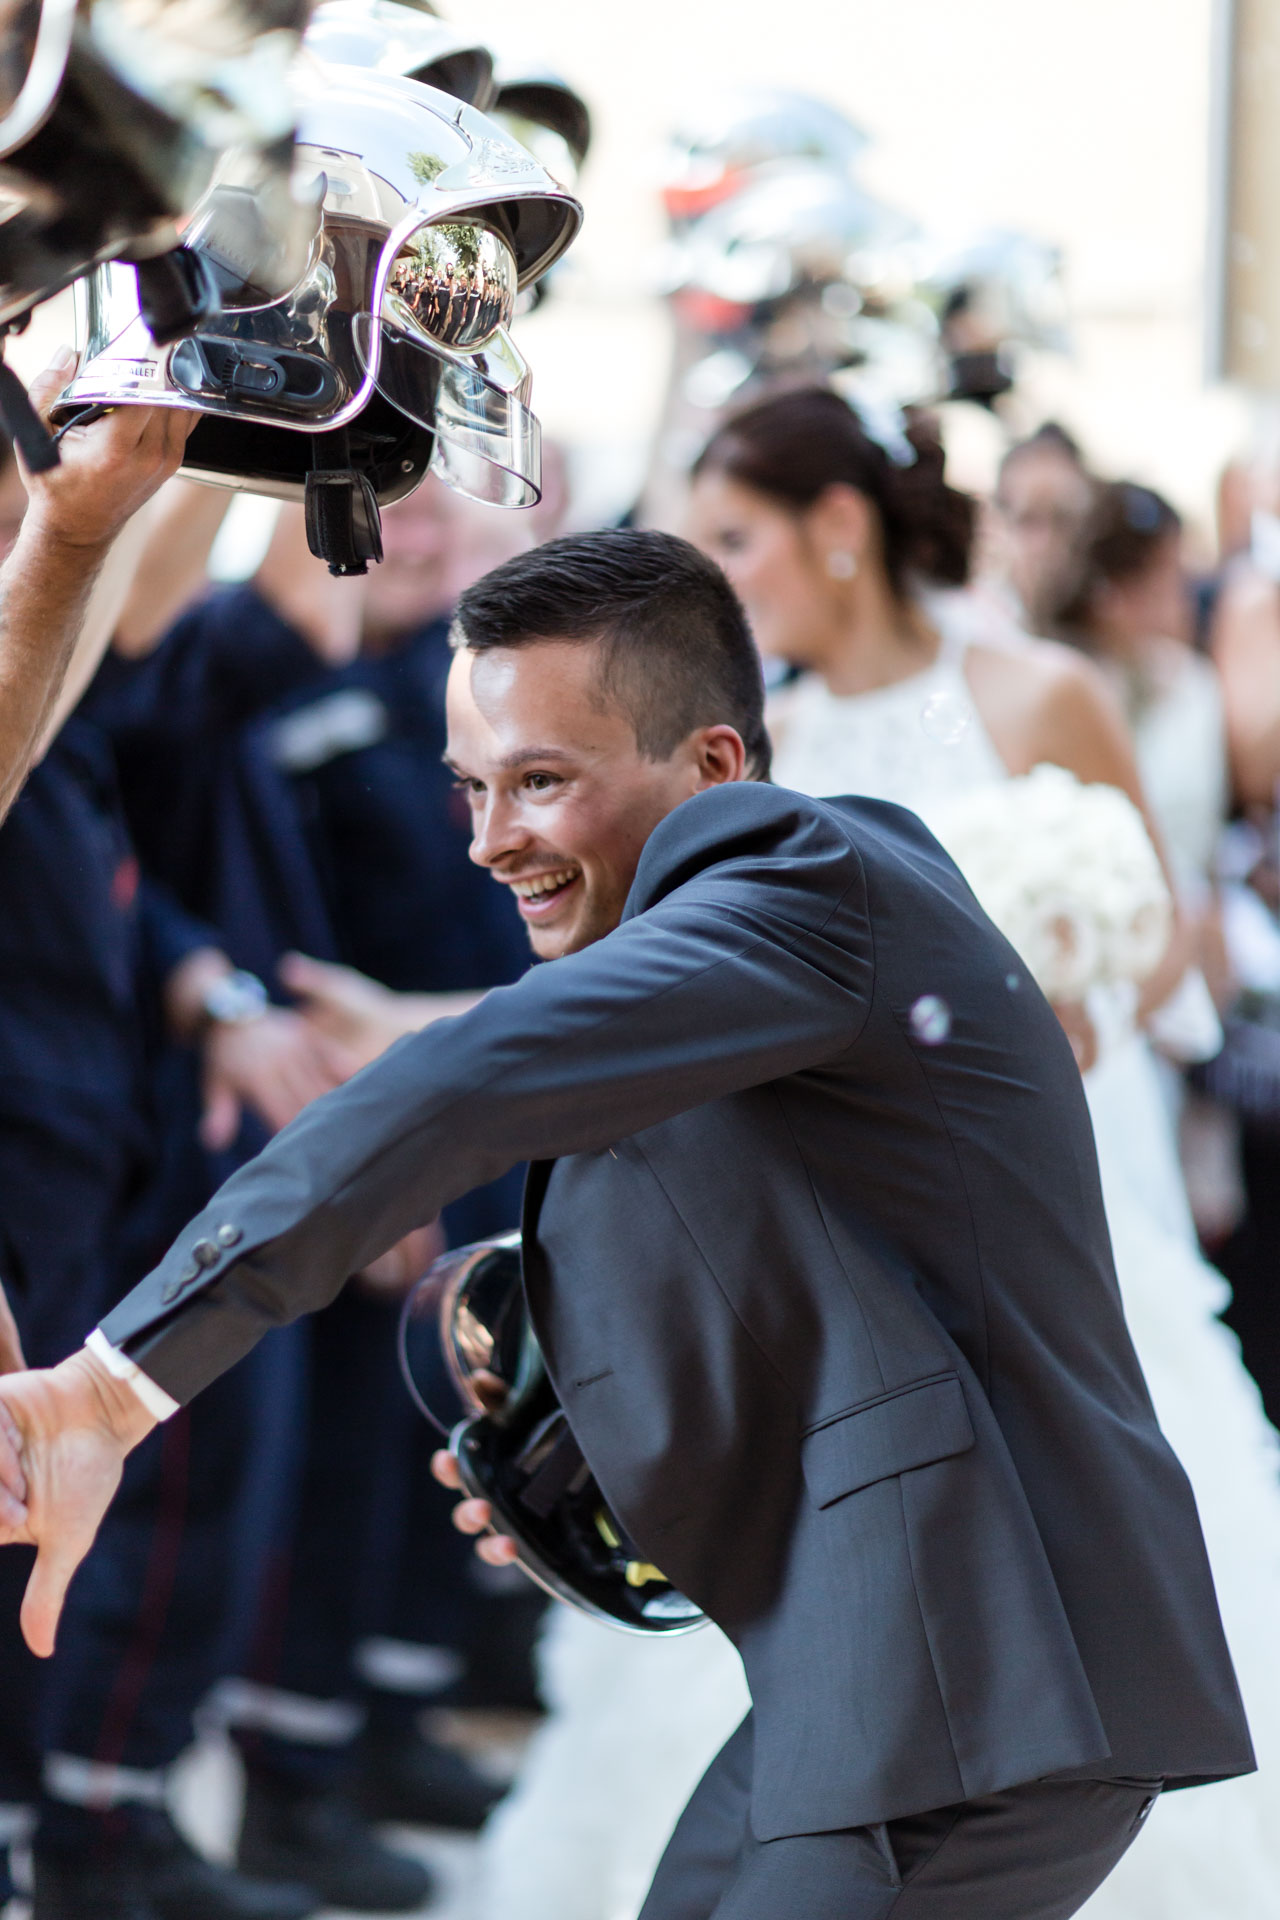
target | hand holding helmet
x=466, y=1326
x=108, y=470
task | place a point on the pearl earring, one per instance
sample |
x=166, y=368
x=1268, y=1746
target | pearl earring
x=842, y=565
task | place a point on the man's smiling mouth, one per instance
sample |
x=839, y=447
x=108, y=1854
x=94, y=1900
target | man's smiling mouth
x=538, y=891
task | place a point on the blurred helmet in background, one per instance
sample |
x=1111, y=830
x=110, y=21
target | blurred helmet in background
x=799, y=273
x=994, y=294
x=401, y=36
x=544, y=113
x=723, y=139
x=390, y=352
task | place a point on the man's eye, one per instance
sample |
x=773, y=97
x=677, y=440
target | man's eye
x=469, y=787
x=731, y=541
x=541, y=782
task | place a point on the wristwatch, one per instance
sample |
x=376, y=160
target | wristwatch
x=235, y=999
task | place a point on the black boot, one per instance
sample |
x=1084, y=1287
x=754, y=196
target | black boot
x=147, y=1871
x=405, y=1776
x=289, y=1829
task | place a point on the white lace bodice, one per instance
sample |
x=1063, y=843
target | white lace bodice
x=916, y=742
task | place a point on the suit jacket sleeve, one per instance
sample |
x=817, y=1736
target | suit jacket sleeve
x=745, y=956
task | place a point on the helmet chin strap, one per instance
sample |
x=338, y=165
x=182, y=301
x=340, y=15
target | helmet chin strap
x=21, y=421
x=344, y=526
x=177, y=294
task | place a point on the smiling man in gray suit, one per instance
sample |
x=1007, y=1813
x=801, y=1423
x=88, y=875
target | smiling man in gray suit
x=825, y=1287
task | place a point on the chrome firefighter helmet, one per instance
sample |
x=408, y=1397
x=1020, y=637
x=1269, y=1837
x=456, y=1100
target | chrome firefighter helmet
x=390, y=351
x=399, y=36
x=728, y=137
x=513, y=1444
x=995, y=294
x=793, y=225
x=545, y=114
x=114, y=115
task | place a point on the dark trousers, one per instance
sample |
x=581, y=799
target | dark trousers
x=335, y=1558
x=163, y=1606
x=369, y=1551
x=1032, y=1853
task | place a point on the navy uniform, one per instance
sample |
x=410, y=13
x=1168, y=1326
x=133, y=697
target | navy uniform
x=308, y=807
x=86, y=943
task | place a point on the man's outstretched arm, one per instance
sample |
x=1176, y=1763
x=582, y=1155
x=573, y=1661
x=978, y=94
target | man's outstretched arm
x=107, y=472
x=741, y=975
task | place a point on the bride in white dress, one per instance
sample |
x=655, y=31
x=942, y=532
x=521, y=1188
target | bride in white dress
x=916, y=695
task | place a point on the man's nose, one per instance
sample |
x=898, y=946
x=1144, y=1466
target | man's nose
x=496, y=831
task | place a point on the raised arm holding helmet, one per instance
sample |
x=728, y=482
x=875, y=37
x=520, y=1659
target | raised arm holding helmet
x=77, y=510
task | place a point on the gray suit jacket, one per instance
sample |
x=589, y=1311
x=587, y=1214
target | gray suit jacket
x=829, y=1301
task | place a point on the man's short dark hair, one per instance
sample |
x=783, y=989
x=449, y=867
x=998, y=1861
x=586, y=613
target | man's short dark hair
x=676, y=652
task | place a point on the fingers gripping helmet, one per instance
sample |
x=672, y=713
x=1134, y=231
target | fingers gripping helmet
x=513, y=1445
x=391, y=351
x=398, y=36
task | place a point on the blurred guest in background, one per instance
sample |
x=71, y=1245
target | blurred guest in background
x=1042, y=503
x=1246, y=650
x=281, y=752
x=104, y=977
x=1131, y=610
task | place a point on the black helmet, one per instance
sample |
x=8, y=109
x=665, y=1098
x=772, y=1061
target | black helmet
x=513, y=1444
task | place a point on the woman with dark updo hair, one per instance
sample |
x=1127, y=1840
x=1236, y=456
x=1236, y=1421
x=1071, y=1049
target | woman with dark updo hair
x=849, y=556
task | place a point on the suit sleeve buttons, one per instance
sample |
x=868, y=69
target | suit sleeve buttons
x=205, y=1253
x=229, y=1235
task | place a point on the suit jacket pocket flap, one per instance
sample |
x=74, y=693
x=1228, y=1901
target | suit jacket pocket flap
x=909, y=1428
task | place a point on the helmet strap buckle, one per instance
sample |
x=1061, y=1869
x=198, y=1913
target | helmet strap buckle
x=176, y=294
x=344, y=526
x=23, y=424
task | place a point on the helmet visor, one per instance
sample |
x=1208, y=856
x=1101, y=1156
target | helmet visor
x=488, y=442
x=455, y=282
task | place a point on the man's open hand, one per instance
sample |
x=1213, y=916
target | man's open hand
x=64, y=1434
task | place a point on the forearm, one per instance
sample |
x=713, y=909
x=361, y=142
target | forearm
x=571, y=1059
x=44, y=592
x=411, y=1012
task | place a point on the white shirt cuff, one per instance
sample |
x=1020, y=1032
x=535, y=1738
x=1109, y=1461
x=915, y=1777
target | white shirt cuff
x=159, y=1404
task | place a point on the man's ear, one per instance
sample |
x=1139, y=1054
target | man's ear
x=720, y=757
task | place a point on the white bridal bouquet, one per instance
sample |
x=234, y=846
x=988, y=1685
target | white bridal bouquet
x=1068, y=874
